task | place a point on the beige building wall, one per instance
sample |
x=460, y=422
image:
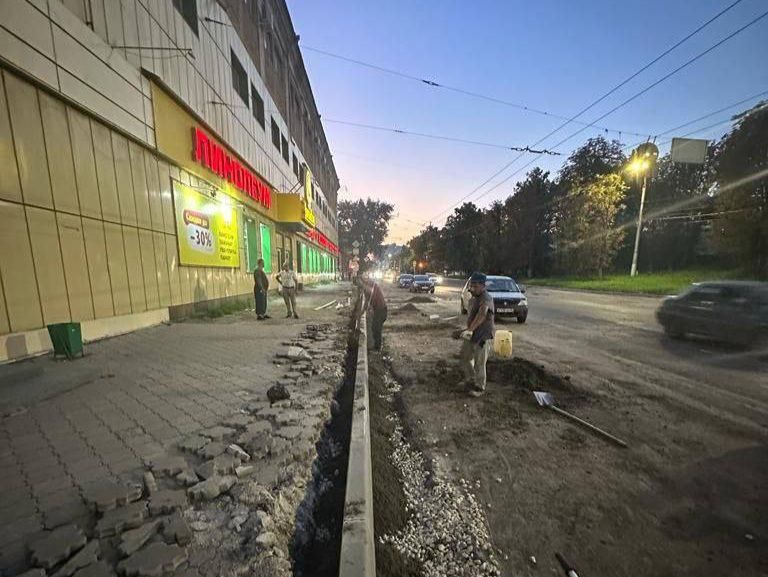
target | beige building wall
x=87, y=223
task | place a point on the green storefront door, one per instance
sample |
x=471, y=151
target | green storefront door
x=266, y=248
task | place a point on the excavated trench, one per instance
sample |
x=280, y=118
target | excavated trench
x=316, y=543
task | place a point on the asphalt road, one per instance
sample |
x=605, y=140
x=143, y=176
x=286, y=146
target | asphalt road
x=616, y=341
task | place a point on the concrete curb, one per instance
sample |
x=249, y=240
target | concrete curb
x=358, y=551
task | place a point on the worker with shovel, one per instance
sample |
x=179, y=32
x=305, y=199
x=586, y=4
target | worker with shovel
x=478, y=335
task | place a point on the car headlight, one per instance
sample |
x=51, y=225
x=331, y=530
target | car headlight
x=523, y=302
x=439, y=279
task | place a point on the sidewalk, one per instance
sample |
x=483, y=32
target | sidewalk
x=65, y=426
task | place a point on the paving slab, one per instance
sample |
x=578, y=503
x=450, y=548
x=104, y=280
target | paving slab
x=131, y=541
x=98, y=569
x=155, y=560
x=118, y=520
x=107, y=495
x=218, y=432
x=167, y=501
x=54, y=547
x=193, y=443
x=211, y=488
x=86, y=556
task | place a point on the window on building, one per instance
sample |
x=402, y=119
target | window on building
x=286, y=152
x=296, y=166
x=266, y=247
x=303, y=173
x=188, y=11
x=257, y=106
x=239, y=77
x=275, y=134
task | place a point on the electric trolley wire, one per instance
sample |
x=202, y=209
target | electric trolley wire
x=441, y=137
x=624, y=103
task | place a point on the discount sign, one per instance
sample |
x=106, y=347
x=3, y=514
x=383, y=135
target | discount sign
x=206, y=228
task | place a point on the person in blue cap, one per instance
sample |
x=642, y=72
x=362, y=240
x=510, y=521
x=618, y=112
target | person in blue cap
x=480, y=330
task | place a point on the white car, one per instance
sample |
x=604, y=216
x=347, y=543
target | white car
x=508, y=297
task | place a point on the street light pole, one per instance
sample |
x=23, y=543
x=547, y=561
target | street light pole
x=633, y=270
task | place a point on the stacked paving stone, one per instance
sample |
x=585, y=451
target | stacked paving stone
x=222, y=500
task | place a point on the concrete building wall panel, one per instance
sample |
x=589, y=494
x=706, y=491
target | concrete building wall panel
x=60, y=162
x=105, y=172
x=126, y=196
x=147, y=247
x=17, y=270
x=118, y=268
x=75, y=266
x=135, y=269
x=49, y=265
x=98, y=268
x=10, y=187
x=31, y=159
x=85, y=164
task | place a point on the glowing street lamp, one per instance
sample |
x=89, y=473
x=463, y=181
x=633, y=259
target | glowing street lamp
x=641, y=163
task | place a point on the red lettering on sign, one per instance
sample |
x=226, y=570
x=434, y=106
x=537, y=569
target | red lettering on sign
x=216, y=159
x=323, y=241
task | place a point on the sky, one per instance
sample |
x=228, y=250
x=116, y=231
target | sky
x=551, y=55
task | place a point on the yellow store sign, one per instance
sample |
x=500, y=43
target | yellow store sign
x=206, y=229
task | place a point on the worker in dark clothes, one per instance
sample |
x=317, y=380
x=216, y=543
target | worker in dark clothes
x=260, y=288
x=478, y=335
x=378, y=306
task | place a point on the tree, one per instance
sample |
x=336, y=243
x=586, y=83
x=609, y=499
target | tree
x=742, y=191
x=364, y=221
x=462, y=239
x=586, y=238
x=594, y=158
x=427, y=247
x=528, y=216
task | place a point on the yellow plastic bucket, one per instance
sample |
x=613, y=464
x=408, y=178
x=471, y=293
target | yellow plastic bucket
x=502, y=344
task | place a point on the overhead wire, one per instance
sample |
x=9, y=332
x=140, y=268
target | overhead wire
x=624, y=103
x=597, y=101
x=691, y=133
x=441, y=137
x=434, y=84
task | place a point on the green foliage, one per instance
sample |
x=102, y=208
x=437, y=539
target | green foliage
x=364, y=221
x=742, y=187
x=586, y=239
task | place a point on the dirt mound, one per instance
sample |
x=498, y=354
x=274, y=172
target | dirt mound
x=421, y=299
x=408, y=308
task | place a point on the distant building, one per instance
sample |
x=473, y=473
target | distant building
x=151, y=152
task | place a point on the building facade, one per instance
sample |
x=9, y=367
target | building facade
x=150, y=152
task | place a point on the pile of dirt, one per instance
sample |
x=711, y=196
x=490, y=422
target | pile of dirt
x=407, y=308
x=421, y=299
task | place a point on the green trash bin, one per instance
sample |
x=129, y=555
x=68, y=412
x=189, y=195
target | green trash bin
x=67, y=339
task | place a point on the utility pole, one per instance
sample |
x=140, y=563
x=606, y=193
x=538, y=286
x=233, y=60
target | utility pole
x=642, y=162
x=633, y=270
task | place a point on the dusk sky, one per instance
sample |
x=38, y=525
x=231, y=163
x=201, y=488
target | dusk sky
x=550, y=55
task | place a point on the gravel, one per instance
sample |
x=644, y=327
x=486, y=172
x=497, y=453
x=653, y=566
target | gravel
x=447, y=531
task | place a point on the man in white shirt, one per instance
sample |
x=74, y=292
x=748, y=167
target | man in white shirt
x=288, y=282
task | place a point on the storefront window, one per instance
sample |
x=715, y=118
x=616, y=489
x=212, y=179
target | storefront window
x=266, y=247
x=251, y=244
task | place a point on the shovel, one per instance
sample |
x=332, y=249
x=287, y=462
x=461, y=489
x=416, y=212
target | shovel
x=547, y=400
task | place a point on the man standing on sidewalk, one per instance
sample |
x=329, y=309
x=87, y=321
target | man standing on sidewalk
x=480, y=330
x=260, y=289
x=288, y=281
x=378, y=306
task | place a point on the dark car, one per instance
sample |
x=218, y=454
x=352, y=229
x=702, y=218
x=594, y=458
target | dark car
x=405, y=280
x=422, y=283
x=508, y=297
x=730, y=311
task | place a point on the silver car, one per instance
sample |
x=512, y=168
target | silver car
x=508, y=297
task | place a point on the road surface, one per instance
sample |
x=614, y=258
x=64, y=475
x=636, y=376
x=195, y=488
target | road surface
x=616, y=337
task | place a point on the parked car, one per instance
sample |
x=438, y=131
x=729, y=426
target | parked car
x=436, y=278
x=729, y=311
x=422, y=283
x=405, y=280
x=508, y=297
